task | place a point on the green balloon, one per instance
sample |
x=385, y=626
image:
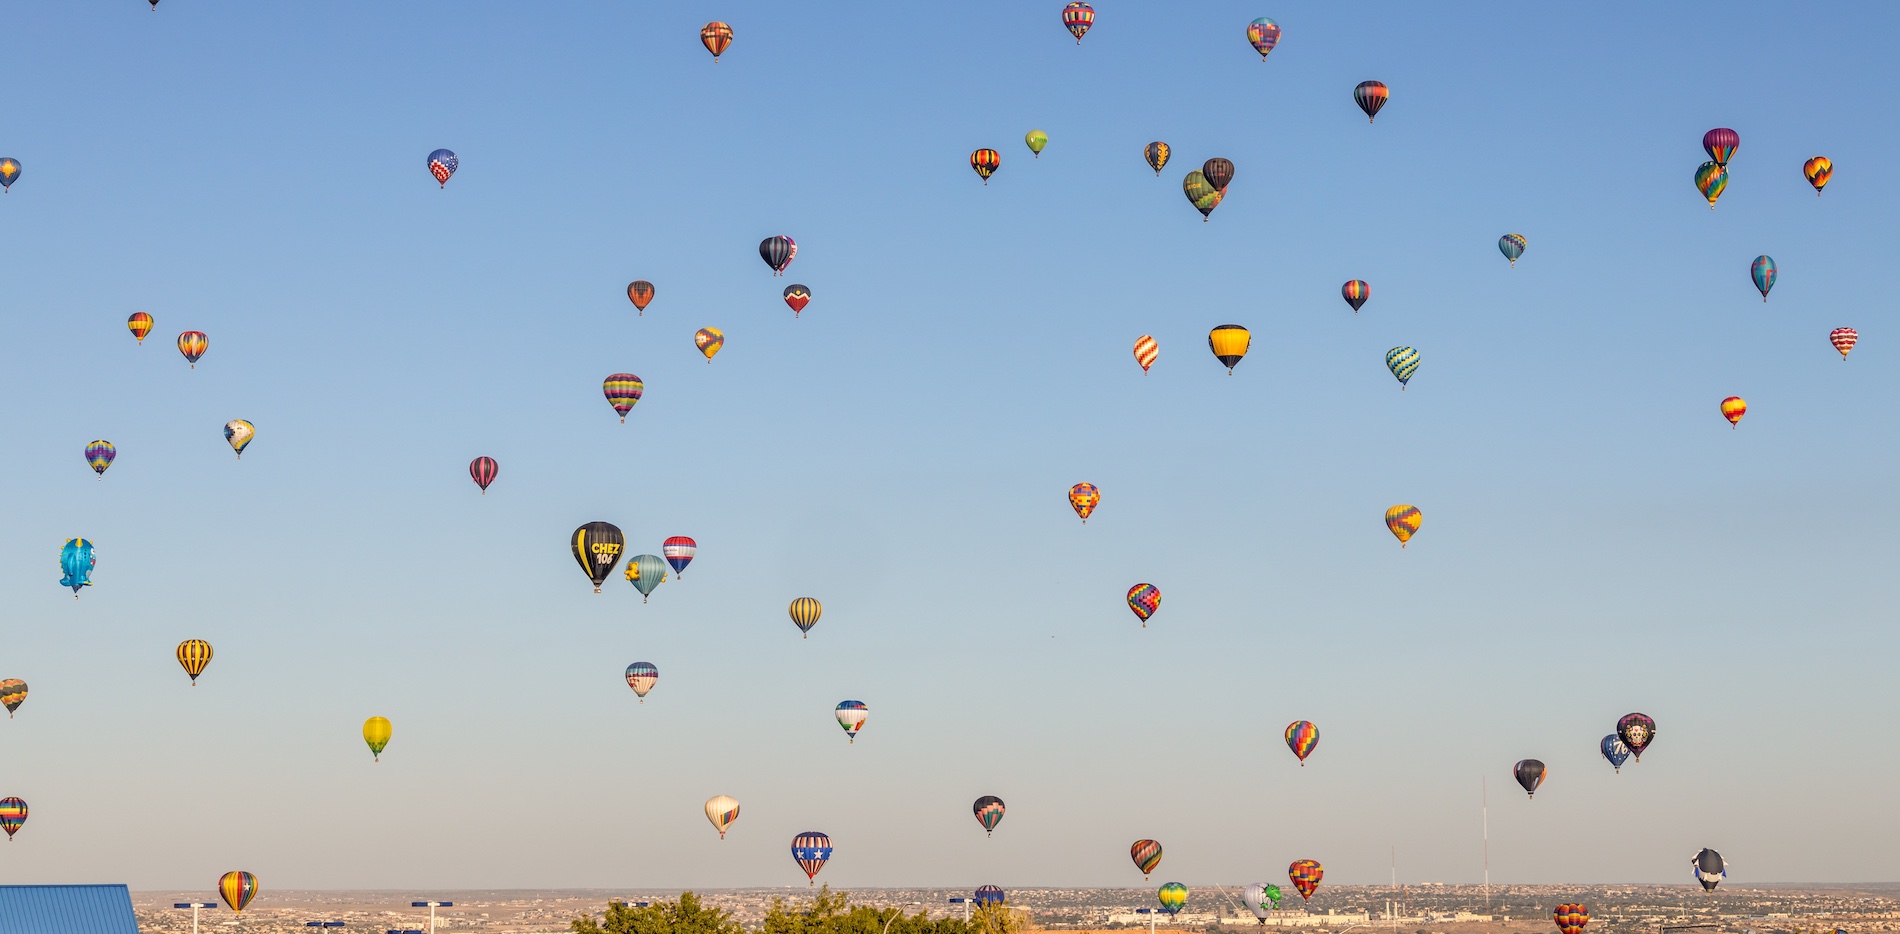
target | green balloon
x=1201, y=192
x=1036, y=140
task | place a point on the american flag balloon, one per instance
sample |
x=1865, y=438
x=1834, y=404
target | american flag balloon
x=442, y=164
x=1844, y=340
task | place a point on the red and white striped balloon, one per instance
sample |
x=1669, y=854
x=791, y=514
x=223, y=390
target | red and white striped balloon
x=1844, y=340
x=1146, y=350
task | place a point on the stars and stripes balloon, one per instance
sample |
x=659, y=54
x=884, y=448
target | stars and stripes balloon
x=1077, y=17
x=989, y=812
x=678, y=552
x=99, y=456
x=1146, y=350
x=812, y=850
x=1144, y=599
x=483, y=470
x=1818, y=170
x=1843, y=340
x=1371, y=97
x=140, y=324
x=851, y=715
x=442, y=164
x=1302, y=737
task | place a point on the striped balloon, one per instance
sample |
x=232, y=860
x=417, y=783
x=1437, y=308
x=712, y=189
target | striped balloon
x=797, y=297
x=99, y=456
x=1403, y=362
x=1356, y=291
x=12, y=695
x=194, y=655
x=1571, y=918
x=851, y=715
x=1818, y=170
x=1711, y=180
x=1082, y=499
x=140, y=324
x=989, y=812
x=1371, y=97
x=812, y=850
x=237, y=888
x=1720, y=143
x=1146, y=854
x=989, y=895
x=778, y=253
x=1144, y=599
x=1146, y=350
x=193, y=345
x=12, y=816
x=1301, y=737
x=679, y=551
x=1218, y=172
x=1078, y=16
x=805, y=612
x=640, y=292
x=722, y=810
x=716, y=37
x=1843, y=340
x=1404, y=522
x=641, y=676
x=1306, y=874
x=646, y=572
x=483, y=471
x=622, y=391
x=986, y=162
x=709, y=341
x=1156, y=154
x=1512, y=246
x=1763, y=271
x=1733, y=408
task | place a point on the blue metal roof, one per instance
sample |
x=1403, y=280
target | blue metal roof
x=66, y=909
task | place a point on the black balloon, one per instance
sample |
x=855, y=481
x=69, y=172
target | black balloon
x=1530, y=774
x=597, y=547
x=1218, y=172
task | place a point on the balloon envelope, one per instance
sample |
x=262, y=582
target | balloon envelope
x=623, y=391
x=238, y=434
x=1146, y=854
x=1571, y=918
x=777, y=252
x=640, y=292
x=193, y=344
x=1403, y=521
x=716, y=37
x=1613, y=751
x=1078, y=16
x=1230, y=343
x=1638, y=730
x=812, y=850
x=1036, y=140
x=193, y=655
x=679, y=551
x=1201, y=193
x=1356, y=291
x=1156, y=154
x=1720, y=143
x=989, y=895
x=237, y=888
x=140, y=324
x=9, y=172
x=722, y=810
x=1710, y=870
x=1218, y=172
x=986, y=162
x=709, y=341
x=1173, y=897
x=1082, y=499
x=12, y=695
x=646, y=572
x=1529, y=774
x=1147, y=349
x=1263, y=34
x=1255, y=898
x=1403, y=362
x=1371, y=97
x=1733, y=408
x=989, y=811
x=805, y=612
x=99, y=456
x=12, y=815
x=851, y=715
x=1306, y=874
x=376, y=732
x=1711, y=180
x=442, y=164
x=76, y=561
x=642, y=676
x=797, y=297
x=483, y=470
x=1302, y=737
x=1763, y=271
x=597, y=547
x=1843, y=340
x=1818, y=170
x=1144, y=600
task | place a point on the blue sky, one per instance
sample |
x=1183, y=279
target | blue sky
x=1596, y=539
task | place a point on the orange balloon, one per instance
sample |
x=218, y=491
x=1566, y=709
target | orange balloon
x=1404, y=522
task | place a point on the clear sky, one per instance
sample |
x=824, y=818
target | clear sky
x=1596, y=539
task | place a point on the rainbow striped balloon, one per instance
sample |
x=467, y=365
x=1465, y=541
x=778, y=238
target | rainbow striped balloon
x=1146, y=854
x=1301, y=737
x=237, y=888
x=12, y=815
x=1356, y=292
x=622, y=391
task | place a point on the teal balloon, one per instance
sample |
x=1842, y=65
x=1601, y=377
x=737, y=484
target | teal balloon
x=646, y=572
x=75, y=564
x=1512, y=246
x=1403, y=362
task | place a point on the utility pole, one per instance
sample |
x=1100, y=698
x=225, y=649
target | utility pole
x=432, y=906
x=195, y=906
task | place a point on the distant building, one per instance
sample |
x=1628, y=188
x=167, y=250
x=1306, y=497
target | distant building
x=66, y=909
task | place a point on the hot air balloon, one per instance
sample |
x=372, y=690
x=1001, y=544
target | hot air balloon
x=1818, y=170
x=1571, y=918
x=99, y=456
x=1614, y=752
x=1082, y=499
x=679, y=551
x=238, y=434
x=442, y=164
x=140, y=324
x=641, y=676
x=640, y=292
x=1733, y=408
x=811, y=849
x=10, y=171
x=1711, y=179
x=645, y=572
x=1218, y=172
x=715, y=36
x=778, y=253
x=709, y=340
x=1146, y=350
x=622, y=391
x=376, y=732
x=1720, y=144
x=1404, y=521
x=1302, y=737
x=76, y=561
x=1403, y=362
x=1146, y=854
x=1306, y=874
x=1263, y=34
x=805, y=612
x=1356, y=291
x=1035, y=140
x=1201, y=193
x=597, y=547
x=1763, y=271
x=1512, y=246
x=194, y=655
x=989, y=812
x=1371, y=96
x=483, y=471
x=722, y=810
x=1530, y=774
x=1255, y=898
x=1229, y=342
x=987, y=895
x=1637, y=730
x=986, y=162
x=1144, y=599
x=1173, y=897
x=1157, y=155
x=12, y=816
x=797, y=297
x=1843, y=340
x=1077, y=17
x=12, y=695
x=1709, y=869
x=193, y=345
x=237, y=889
x=851, y=715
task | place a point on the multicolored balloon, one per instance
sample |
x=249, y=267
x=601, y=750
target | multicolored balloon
x=237, y=888
x=642, y=676
x=986, y=162
x=1156, y=153
x=1218, y=172
x=709, y=341
x=483, y=470
x=851, y=716
x=76, y=561
x=1230, y=343
x=1512, y=246
x=1818, y=170
x=1173, y=897
x=193, y=345
x=12, y=816
x=1720, y=144
x=1529, y=774
x=679, y=551
x=12, y=695
x=1201, y=193
x=622, y=390
x=1843, y=340
x=99, y=456
x=1146, y=854
x=722, y=810
x=238, y=434
x=10, y=172
x=1637, y=730
x=715, y=36
x=1355, y=291
x=797, y=297
x=442, y=164
x=1144, y=599
x=1733, y=408
x=1709, y=868
x=1571, y=918
x=1404, y=521
x=640, y=292
x=140, y=324
x=1306, y=874
x=1082, y=498
x=1302, y=737
x=597, y=547
x=645, y=573
x=1403, y=362
x=193, y=655
x=376, y=733
x=1036, y=140
x=805, y=612
x=1371, y=96
x=1710, y=180
x=778, y=252
x=1146, y=350
x=1077, y=17
x=989, y=812
x=1763, y=271
x=1263, y=34
x=1614, y=752
x=812, y=850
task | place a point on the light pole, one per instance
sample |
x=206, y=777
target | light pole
x=432, y=906
x=1150, y=912
x=964, y=901
x=195, y=906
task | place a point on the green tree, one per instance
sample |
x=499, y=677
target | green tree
x=833, y=913
x=685, y=916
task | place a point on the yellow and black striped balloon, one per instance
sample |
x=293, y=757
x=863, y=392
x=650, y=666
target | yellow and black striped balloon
x=805, y=612
x=194, y=655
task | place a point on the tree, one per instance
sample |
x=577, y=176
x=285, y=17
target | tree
x=831, y=913
x=686, y=916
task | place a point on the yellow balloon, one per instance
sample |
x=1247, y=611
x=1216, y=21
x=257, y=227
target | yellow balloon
x=709, y=340
x=376, y=732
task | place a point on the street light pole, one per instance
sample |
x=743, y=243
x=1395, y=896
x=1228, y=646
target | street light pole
x=966, y=908
x=432, y=906
x=194, y=906
x=1150, y=912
